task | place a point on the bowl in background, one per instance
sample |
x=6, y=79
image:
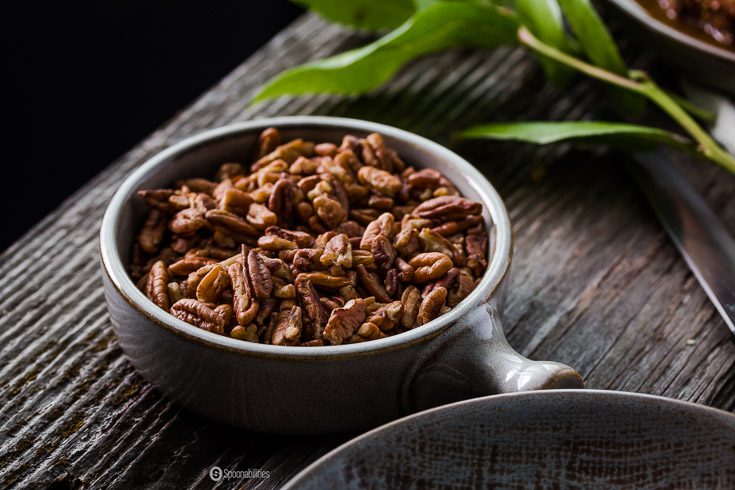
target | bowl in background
x=551, y=439
x=680, y=46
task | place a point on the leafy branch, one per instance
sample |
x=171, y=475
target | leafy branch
x=421, y=27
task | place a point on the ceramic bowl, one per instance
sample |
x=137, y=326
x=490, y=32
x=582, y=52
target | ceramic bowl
x=553, y=439
x=341, y=388
x=683, y=47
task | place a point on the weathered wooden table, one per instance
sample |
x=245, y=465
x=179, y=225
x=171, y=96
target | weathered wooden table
x=596, y=283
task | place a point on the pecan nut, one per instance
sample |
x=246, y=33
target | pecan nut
x=187, y=222
x=288, y=327
x=231, y=222
x=151, y=235
x=371, y=282
x=260, y=275
x=199, y=314
x=316, y=316
x=447, y=208
x=429, y=265
x=329, y=210
x=411, y=301
x=380, y=181
x=243, y=299
x=432, y=305
x=343, y=322
x=157, y=285
x=212, y=285
x=337, y=251
x=382, y=225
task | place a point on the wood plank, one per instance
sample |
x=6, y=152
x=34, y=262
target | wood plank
x=595, y=283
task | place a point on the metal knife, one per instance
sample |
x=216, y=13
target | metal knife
x=697, y=232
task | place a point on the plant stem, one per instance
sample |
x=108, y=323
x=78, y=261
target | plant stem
x=699, y=113
x=640, y=83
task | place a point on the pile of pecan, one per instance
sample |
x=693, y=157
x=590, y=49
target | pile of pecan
x=316, y=244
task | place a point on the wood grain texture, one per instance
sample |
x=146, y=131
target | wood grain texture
x=596, y=283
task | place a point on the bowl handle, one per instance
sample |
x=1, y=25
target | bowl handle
x=472, y=358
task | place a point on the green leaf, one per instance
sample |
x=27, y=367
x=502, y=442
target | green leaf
x=599, y=47
x=543, y=18
x=422, y=4
x=363, y=14
x=546, y=132
x=440, y=26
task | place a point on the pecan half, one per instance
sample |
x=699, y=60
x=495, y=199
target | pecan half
x=243, y=299
x=157, y=285
x=432, y=241
x=249, y=333
x=392, y=285
x=260, y=275
x=386, y=317
x=189, y=264
x=268, y=141
x=383, y=225
x=303, y=259
x=198, y=184
x=343, y=322
x=326, y=280
x=476, y=247
x=287, y=152
x=452, y=227
x=199, y=314
x=316, y=316
x=151, y=235
x=371, y=282
x=447, y=208
x=367, y=331
x=276, y=243
x=236, y=201
x=425, y=178
x=329, y=210
x=379, y=181
x=383, y=252
x=282, y=200
x=429, y=265
x=261, y=217
x=337, y=251
x=411, y=301
x=187, y=222
x=158, y=199
x=212, y=285
x=432, y=305
x=229, y=170
x=231, y=222
x=288, y=327
x=300, y=238
x=405, y=271
x=464, y=285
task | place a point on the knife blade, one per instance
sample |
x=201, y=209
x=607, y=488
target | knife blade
x=700, y=236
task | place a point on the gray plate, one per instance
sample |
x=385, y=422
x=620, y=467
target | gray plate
x=552, y=439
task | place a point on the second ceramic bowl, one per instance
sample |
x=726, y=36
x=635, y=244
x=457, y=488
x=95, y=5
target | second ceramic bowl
x=461, y=354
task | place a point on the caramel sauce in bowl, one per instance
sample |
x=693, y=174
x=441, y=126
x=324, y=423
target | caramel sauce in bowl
x=686, y=48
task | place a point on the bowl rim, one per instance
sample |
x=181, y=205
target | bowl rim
x=119, y=278
x=639, y=13
x=537, y=396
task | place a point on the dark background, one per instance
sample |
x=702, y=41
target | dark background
x=88, y=81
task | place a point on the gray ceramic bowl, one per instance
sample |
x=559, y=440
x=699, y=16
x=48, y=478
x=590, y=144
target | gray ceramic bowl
x=683, y=48
x=317, y=389
x=554, y=439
